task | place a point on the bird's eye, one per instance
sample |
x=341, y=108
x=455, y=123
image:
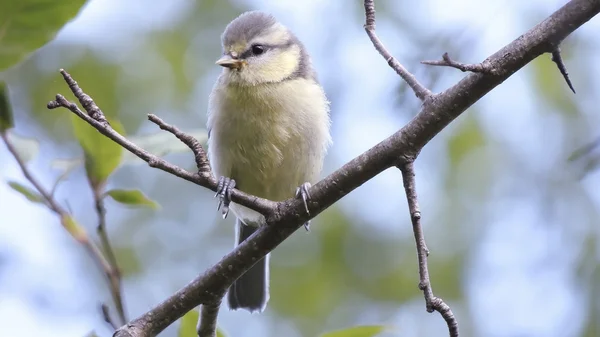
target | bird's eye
x=258, y=49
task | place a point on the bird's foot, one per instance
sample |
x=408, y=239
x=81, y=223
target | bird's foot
x=224, y=188
x=302, y=192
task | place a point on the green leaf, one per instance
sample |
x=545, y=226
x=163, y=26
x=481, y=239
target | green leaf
x=132, y=198
x=28, y=192
x=6, y=115
x=74, y=228
x=358, y=331
x=27, y=148
x=102, y=156
x=27, y=25
x=188, y=324
x=162, y=143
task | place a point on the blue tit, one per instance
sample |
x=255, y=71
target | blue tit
x=268, y=122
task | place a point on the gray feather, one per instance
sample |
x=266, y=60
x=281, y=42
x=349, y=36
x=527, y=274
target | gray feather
x=247, y=26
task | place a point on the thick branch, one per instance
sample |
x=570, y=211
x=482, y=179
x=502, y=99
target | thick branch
x=286, y=217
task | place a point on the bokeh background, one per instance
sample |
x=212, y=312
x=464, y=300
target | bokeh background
x=511, y=223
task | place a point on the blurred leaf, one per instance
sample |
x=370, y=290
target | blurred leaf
x=467, y=137
x=320, y=295
x=359, y=331
x=132, y=197
x=29, y=193
x=102, y=155
x=129, y=261
x=73, y=228
x=162, y=143
x=6, y=116
x=27, y=148
x=66, y=164
x=26, y=25
x=90, y=70
x=188, y=324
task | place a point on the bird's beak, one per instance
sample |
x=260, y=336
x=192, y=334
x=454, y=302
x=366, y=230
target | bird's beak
x=229, y=62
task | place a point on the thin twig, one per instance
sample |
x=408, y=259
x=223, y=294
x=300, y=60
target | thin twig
x=557, y=58
x=107, y=318
x=199, y=153
x=207, y=323
x=114, y=275
x=66, y=220
x=431, y=302
x=201, y=178
x=420, y=91
x=86, y=101
x=446, y=61
x=48, y=200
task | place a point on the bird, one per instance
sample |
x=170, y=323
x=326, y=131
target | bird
x=269, y=131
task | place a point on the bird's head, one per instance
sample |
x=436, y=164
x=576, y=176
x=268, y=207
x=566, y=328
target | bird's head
x=257, y=49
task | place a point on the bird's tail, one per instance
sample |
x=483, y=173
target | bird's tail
x=251, y=290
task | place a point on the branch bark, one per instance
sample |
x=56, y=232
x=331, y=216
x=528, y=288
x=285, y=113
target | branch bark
x=284, y=218
x=431, y=301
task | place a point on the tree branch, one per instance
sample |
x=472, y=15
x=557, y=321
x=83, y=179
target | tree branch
x=107, y=318
x=431, y=301
x=420, y=91
x=464, y=67
x=114, y=278
x=207, y=324
x=284, y=218
x=72, y=227
x=96, y=118
x=199, y=154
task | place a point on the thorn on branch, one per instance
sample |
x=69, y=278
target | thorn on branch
x=446, y=61
x=420, y=91
x=432, y=303
x=557, y=58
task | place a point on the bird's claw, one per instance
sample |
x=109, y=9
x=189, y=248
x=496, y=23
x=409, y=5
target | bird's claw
x=302, y=192
x=224, y=188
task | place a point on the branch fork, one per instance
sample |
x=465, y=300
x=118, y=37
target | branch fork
x=284, y=218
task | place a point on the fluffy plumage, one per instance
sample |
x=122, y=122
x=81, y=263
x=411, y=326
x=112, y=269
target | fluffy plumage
x=268, y=121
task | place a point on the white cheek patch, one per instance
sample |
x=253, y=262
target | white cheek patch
x=280, y=65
